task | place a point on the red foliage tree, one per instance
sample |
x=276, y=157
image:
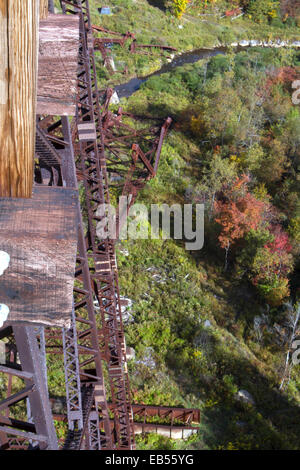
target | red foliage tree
x=281, y=75
x=237, y=213
x=281, y=243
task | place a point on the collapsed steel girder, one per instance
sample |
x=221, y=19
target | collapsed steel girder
x=174, y=421
x=103, y=43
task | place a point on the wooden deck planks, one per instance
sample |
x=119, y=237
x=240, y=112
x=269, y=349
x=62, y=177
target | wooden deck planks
x=58, y=62
x=40, y=235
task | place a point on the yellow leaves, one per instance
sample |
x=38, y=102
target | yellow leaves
x=197, y=125
x=198, y=354
x=235, y=159
x=179, y=7
x=261, y=192
x=210, y=403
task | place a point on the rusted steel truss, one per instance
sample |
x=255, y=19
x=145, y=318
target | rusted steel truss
x=85, y=391
x=101, y=253
x=25, y=363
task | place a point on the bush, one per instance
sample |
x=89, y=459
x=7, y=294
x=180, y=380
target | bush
x=261, y=10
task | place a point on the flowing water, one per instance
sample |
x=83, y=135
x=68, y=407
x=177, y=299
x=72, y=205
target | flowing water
x=127, y=89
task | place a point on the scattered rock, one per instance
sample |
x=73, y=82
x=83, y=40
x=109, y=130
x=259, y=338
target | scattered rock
x=254, y=43
x=115, y=177
x=245, y=396
x=158, y=278
x=126, y=305
x=110, y=61
x=127, y=318
x=58, y=405
x=148, y=359
x=151, y=269
x=115, y=98
x=241, y=424
x=130, y=353
x=2, y=352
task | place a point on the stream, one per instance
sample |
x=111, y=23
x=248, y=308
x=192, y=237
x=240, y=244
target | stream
x=127, y=89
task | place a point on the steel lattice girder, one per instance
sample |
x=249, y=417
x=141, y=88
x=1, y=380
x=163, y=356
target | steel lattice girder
x=15, y=433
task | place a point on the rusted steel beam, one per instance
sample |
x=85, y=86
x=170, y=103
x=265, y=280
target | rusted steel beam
x=16, y=372
x=35, y=390
x=16, y=397
x=29, y=436
x=157, y=46
x=85, y=339
x=185, y=415
x=162, y=136
x=178, y=415
x=45, y=150
x=175, y=431
x=18, y=424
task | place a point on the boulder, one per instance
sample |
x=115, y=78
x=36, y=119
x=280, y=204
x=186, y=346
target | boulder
x=245, y=396
x=130, y=353
x=115, y=98
x=148, y=359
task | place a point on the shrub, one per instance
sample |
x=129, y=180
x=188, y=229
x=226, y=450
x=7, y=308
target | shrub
x=262, y=10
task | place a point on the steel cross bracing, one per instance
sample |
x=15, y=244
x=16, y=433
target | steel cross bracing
x=85, y=390
x=101, y=252
x=26, y=363
x=81, y=348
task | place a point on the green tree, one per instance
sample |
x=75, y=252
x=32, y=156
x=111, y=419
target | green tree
x=221, y=172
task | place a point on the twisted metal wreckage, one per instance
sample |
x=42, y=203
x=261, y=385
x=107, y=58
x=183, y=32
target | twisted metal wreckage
x=100, y=152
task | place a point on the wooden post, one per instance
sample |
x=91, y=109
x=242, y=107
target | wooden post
x=19, y=23
x=43, y=9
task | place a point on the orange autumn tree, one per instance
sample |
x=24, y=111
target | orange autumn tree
x=237, y=212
